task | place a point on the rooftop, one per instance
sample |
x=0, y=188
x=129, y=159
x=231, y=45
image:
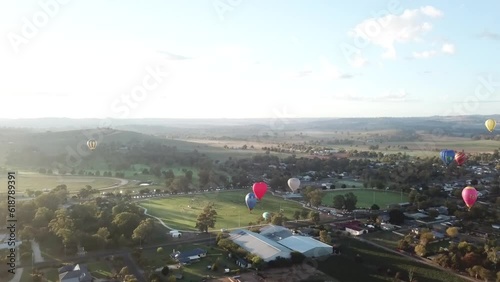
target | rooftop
x=259, y=245
x=302, y=244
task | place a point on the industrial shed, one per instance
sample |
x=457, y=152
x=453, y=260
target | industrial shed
x=307, y=246
x=259, y=245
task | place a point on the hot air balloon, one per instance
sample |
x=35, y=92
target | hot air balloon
x=266, y=215
x=460, y=158
x=92, y=144
x=259, y=189
x=294, y=184
x=250, y=200
x=469, y=195
x=447, y=156
x=490, y=124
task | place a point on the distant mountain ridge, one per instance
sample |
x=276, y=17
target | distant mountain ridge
x=154, y=126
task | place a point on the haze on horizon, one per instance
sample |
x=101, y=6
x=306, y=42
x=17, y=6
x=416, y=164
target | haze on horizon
x=255, y=59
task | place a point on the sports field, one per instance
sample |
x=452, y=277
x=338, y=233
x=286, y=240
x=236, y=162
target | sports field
x=367, y=197
x=180, y=212
x=35, y=181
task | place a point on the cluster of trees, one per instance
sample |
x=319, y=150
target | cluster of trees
x=96, y=224
x=347, y=201
x=479, y=262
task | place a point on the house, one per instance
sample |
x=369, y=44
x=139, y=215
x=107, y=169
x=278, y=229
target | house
x=74, y=273
x=306, y=178
x=243, y=263
x=189, y=256
x=307, y=246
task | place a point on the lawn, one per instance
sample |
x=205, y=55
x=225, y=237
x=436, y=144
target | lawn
x=101, y=269
x=384, y=238
x=181, y=211
x=35, y=181
x=367, y=197
x=345, y=269
x=197, y=270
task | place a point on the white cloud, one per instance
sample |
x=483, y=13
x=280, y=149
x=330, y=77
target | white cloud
x=448, y=48
x=424, y=54
x=388, y=30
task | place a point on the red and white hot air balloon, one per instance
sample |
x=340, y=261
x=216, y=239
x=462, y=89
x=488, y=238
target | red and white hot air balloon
x=460, y=158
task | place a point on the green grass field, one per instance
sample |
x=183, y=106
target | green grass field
x=180, y=212
x=35, y=181
x=367, y=197
x=345, y=269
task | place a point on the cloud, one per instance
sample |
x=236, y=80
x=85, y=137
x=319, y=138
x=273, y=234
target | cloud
x=448, y=48
x=171, y=56
x=489, y=35
x=326, y=71
x=388, y=30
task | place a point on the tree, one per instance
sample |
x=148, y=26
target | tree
x=189, y=175
x=296, y=215
x=420, y=250
x=338, y=201
x=203, y=177
x=452, y=232
x=165, y=271
x=257, y=262
x=207, y=218
x=126, y=223
x=143, y=230
x=375, y=207
x=396, y=217
x=324, y=237
x=314, y=217
x=278, y=219
x=350, y=201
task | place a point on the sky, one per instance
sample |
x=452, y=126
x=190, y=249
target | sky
x=248, y=59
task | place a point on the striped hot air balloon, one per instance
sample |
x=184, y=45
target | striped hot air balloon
x=460, y=158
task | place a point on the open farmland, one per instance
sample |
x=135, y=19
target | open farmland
x=180, y=212
x=367, y=197
x=34, y=181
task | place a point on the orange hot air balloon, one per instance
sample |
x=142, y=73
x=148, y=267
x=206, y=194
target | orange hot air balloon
x=460, y=158
x=469, y=195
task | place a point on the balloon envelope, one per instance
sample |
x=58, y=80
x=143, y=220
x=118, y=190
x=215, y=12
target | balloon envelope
x=250, y=200
x=469, y=195
x=490, y=124
x=294, y=184
x=447, y=156
x=259, y=189
x=266, y=215
x=91, y=144
x=460, y=158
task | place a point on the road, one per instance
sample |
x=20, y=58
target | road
x=423, y=261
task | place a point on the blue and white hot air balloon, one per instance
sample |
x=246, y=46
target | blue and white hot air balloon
x=447, y=156
x=251, y=201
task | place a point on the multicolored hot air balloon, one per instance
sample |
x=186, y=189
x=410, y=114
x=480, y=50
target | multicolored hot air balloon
x=294, y=184
x=460, y=158
x=266, y=216
x=92, y=144
x=490, y=124
x=447, y=156
x=259, y=189
x=251, y=201
x=469, y=195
